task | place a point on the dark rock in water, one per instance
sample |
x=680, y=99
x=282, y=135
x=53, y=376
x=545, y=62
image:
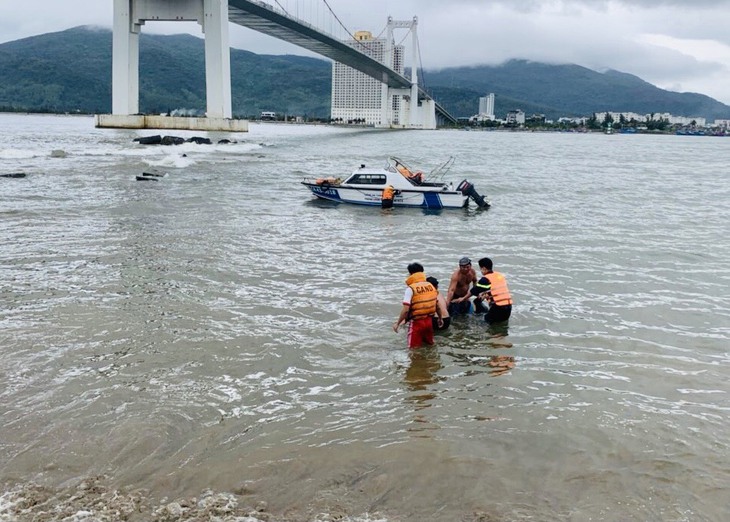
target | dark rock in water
x=147, y=178
x=226, y=141
x=199, y=140
x=149, y=140
x=172, y=140
x=13, y=175
x=155, y=174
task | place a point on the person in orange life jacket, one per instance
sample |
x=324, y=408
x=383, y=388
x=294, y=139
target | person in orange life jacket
x=419, y=304
x=441, y=304
x=492, y=289
x=387, y=197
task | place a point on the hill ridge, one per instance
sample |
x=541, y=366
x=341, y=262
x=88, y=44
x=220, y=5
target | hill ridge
x=70, y=71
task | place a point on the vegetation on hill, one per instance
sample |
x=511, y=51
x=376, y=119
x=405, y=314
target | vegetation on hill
x=567, y=90
x=70, y=71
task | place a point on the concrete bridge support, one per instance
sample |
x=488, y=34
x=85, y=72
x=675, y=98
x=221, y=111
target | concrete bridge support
x=415, y=116
x=130, y=16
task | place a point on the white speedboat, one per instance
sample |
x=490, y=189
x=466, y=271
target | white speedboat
x=396, y=185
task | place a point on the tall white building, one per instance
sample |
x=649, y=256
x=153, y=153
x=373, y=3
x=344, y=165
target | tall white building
x=486, y=107
x=357, y=96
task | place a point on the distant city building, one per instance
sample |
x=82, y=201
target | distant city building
x=486, y=107
x=679, y=120
x=516, y=116
x=357, y=97
x=616, y=116
x=722, y=123
x=572, y=120
x=639, y=118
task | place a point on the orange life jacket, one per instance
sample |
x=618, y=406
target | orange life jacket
x=388, y=192
x=499, y=293
x=423, y=302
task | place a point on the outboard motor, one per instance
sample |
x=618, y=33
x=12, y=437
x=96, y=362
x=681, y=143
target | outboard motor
x=468, y=189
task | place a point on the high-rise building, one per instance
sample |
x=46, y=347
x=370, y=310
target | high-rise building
x=486, y=107
x=359, y=97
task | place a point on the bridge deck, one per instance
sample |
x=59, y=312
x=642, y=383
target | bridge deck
x=262, y=18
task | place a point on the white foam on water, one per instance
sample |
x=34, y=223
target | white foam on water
x=175, y=160
x=91, y=500
x=8, y=501
x=12, y=154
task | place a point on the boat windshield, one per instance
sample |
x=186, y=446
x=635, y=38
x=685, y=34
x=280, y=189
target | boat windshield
x=366, y=179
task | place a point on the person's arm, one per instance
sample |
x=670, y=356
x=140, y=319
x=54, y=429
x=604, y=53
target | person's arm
x=480, y=287
x=484, y=288
x=439, y=312
x=402, y=317
x=441, y=306
x=452, y=287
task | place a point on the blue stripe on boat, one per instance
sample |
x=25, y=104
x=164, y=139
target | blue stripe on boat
x=432, y=200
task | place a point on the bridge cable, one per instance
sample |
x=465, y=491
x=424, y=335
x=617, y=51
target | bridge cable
x=420, y=62
x=343, y=26
x=283, y=9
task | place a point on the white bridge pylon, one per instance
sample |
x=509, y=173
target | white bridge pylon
x=130, y=16
x=423, y=117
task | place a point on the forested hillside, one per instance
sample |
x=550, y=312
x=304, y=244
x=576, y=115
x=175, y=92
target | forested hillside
x=70, y=71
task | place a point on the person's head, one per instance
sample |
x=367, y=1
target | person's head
x=414, y=268
x=486, y=264
x=433, y=281
x=464, y=264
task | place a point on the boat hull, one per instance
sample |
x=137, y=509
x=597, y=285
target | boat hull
x=433, y=199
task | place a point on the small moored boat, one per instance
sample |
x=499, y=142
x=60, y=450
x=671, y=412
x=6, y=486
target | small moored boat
x=151, y=176
x=397, y=185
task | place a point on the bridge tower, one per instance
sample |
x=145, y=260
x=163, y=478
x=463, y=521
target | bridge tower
x=421, y=116
x=129, y=17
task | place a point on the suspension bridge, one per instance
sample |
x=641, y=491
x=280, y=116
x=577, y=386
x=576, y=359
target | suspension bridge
x=287, y=23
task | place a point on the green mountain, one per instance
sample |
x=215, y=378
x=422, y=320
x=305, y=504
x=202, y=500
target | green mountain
x=70, y=71
x=564, y=90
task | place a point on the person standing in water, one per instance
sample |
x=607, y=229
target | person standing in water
x=419, y=304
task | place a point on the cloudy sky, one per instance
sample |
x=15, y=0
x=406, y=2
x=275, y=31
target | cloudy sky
x=679, y=45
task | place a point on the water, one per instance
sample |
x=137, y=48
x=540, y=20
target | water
x=219, y=344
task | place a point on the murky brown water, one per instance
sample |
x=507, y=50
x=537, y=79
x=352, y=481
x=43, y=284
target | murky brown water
x=219, y=344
